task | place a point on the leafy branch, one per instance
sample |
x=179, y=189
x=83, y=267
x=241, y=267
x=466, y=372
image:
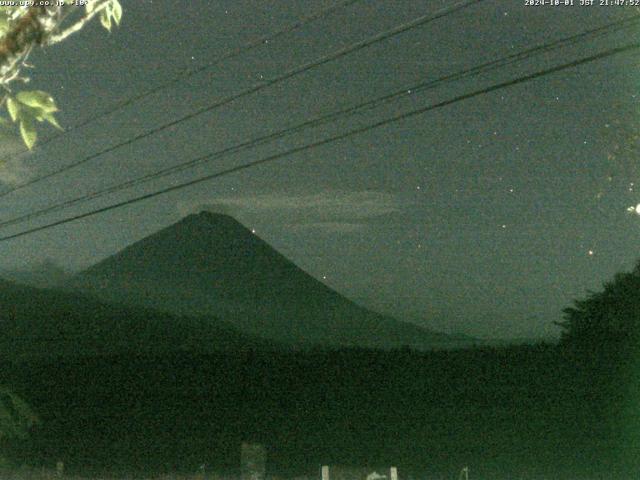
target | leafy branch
x=28, y=107
x=39, y=25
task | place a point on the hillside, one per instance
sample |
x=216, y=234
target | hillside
x=42, y=322
x=45, y=274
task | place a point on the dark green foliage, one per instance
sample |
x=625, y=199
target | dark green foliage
x=601, y=340
x=16, y=417
x=525, y=412
x=610, y=317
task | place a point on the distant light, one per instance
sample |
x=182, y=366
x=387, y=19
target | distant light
x=253, y=230
x=590, y=252
x=324, y=277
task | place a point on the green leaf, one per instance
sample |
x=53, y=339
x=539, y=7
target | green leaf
x=14, y=108
x=117, y=11
x=28, y=132
x=112, y=12
x=38, y=99
x=48, y=116
x=105, y=18
x=4, y=25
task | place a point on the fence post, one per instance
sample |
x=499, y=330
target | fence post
x=325, y=472
x=393, y=473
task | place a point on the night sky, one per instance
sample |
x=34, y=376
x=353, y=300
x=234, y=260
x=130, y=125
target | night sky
x=485, y=217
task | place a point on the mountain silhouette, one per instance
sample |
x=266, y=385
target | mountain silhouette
x=49, y=323
x=210, y=264
x=45, y=274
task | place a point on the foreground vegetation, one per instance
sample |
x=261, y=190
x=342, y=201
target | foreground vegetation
x=529, y=411
x=567, y=411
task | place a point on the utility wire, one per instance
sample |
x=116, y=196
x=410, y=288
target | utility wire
x=190, y=73
x=310, y=146
x=260, y=86
x=405, y=91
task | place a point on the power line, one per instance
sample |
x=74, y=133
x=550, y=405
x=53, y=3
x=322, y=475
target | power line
x=310, y=146
x=260, y=86
x=483, y=68
x=190, y=73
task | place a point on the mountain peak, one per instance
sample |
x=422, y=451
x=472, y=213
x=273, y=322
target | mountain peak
x=209, y=219
x=210, y=264
x=207, y=214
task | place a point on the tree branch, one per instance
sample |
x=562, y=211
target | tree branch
x=30, y=29
x=55, y=38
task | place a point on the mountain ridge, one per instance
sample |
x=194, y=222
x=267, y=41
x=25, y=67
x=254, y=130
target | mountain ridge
x=37, y=322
